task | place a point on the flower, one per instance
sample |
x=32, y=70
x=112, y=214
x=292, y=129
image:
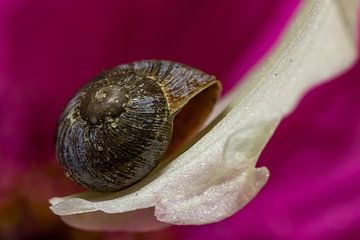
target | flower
x=217, y=176
x=61, y=46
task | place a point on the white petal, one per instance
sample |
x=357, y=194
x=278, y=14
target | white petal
x=217, y=176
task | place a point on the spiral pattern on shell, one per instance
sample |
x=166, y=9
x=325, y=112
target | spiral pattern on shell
x=116, y=129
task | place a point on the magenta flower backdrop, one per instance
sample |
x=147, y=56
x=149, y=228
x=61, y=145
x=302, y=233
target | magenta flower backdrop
x=48, y=49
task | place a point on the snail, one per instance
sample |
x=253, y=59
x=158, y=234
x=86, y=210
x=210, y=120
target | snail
x=117, y=129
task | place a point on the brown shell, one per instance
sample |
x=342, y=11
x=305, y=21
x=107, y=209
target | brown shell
x=116, y=130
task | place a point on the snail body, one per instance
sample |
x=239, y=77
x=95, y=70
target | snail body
x=116, y=129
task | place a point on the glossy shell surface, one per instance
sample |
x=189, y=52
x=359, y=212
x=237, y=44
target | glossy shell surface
x=117, y=128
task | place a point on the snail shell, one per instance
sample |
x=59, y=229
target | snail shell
x=117, y=128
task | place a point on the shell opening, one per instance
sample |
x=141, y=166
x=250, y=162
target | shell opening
x=188, y=122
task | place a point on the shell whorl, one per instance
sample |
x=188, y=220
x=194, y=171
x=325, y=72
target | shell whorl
x=117, y=128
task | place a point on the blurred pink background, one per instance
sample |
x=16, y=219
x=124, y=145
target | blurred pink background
x=48, y=49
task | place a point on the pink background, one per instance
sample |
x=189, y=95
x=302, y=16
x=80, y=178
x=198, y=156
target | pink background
x=48, y=49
